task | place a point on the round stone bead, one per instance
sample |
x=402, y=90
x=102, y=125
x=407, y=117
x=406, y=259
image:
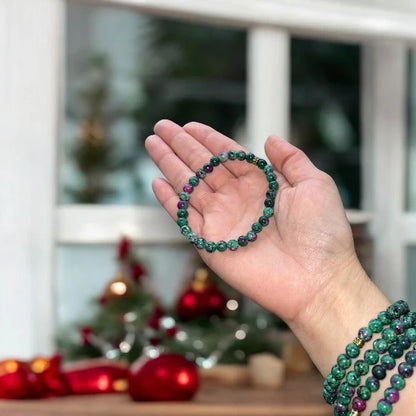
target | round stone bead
x=372, y=383
x=182, y=213
x=391, y=395
x=241, y=155
x=365, y=334
x=363, y=392
x=194, y=180
x=375, y=325
x=251, y=236
x=388, y=362
x=343, y=361
x=353, y=379
x=242, y=240
x=200, y=243
x=271, y=176
x=405, y=370
x=208, y=168
x=397, y=326
x=210, y=246
x=250, y=157
x=375, y=413
x=184, y=196
x=410, y=358
x=188, y=188
x=339, y=407
x=371, y=357
x=380, y=345
x=384, y=407
x=359, y=404
x=404, y=341
x=347, y=390
x=268, y=169
x=328, y=396
x=200, y=173
x=271, y=193
x=232, y=155
x=332, y=381
x=192, y=237
x=261, y=163
x=389, y=335
x=182, y=204
x=233, y=245
x=395, y=350
x=379, y=372
x=263, y=220
x=343, y=399
x=221, y=246
x=185, y=230
x=182, y=221
x=407, y=321
x=382, y=317
x=352, y=350
x=397, y=382
x=223, y=156
x=269, y=202
x=361, y=368
x=411, y=333
x=337, y=372
x=215, y=161
x=268, y=212
x=273, y=185
x=256, y=227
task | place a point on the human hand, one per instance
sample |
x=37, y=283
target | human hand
x=308, y=242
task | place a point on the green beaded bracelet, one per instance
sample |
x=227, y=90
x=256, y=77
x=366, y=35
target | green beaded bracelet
x=263, y=220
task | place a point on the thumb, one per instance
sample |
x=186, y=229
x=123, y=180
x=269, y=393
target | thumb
x=290, y=161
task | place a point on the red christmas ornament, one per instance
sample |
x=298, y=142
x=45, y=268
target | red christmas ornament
x=17, y=381
x=201, y=298
x=93, y=378
x=169, y=377
x=49, y=373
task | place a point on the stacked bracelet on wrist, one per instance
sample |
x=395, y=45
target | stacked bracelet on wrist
x=343, y=388
x=193, y=181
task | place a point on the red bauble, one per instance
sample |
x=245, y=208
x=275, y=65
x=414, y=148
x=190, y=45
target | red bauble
x=205, y=302
x=169, y=377
x=93, y=377
x=123, y=248
x=202, y=298
x=17, y=381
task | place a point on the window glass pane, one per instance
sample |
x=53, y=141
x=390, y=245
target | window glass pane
x=411, y=129
x=411, y=273
x=325, y=108
x=124, y=72
x=85, y=271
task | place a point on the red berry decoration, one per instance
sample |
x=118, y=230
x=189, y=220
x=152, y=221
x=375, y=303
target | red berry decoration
x=169, y=377
x=203, y=298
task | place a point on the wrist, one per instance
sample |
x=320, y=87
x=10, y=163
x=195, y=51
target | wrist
x=332, y=318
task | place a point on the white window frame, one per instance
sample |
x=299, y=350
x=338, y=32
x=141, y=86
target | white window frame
x=31, y=43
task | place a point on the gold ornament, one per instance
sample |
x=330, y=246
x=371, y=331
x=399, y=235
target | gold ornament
x=118, y=288
x=201, y=280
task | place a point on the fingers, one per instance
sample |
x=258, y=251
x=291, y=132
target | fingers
x=290, y=161
x=193, y=154
x=173, y=169
x=168, y=198
x=216, y=142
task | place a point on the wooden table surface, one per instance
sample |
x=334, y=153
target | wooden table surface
x=300, y=396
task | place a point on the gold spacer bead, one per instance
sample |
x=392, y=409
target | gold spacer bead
x=255, y=160
x=355, y=413
x=358, y=342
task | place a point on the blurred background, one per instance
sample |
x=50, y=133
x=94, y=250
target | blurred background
x=342, y=89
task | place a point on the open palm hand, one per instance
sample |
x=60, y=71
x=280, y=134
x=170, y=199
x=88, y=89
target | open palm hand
x=308, y=240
